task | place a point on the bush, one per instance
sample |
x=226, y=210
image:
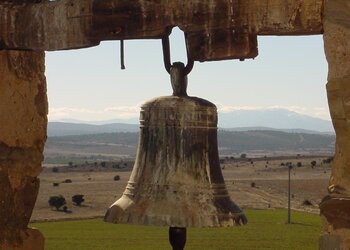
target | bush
x=57, y=201
x=307, y=203
x=116, y=178
x=313, y=164
x=243, y=156
x=299, y=164
x=253, y=185
x=55, y=170
x=55, y=184
x=78, y=199
x=67, y=181
x=328, y=160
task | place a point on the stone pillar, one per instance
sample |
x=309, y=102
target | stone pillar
x=335, y=208
x=23, y=123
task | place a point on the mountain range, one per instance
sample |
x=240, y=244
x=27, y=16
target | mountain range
x=273, y=118
x=240, y=120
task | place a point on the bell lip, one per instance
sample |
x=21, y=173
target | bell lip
x=121, y=212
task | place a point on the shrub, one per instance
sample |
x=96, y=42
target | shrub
x=243, y=156
x=55, y=184
x=57, y=201
x=55, y=170
x=67, y=181
x=116, y=178
x=299, y=164
x=328, y=160
x=313, y=164
x=78, y=199
x=253, y=185
x=307, y=203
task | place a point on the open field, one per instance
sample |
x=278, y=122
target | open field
x=266, y=230
x=268, y=176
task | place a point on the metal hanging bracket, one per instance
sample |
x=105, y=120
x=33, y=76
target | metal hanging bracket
x=122, y=65
x=167, y=57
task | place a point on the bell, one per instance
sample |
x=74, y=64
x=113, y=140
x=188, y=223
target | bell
x=177, y=180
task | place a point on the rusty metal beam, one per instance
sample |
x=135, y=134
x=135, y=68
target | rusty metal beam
x=215, y=29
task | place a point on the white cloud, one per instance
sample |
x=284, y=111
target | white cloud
x=121, y=112
x=124, y=112
x=127, y=112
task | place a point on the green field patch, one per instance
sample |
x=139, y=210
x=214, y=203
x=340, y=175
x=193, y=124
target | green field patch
x=266, y=229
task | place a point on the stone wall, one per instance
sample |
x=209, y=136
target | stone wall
x=336, y=207
x=23, y=122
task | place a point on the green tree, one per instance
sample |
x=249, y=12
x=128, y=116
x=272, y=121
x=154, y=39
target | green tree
x=57, y=201
x=313, y=164
x=78, y=199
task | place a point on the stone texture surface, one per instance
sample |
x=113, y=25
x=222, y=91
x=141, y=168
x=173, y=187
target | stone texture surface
x=29, y=239
x=335, y=208
x=23, y=121
x=215, y=30
x=337, y=48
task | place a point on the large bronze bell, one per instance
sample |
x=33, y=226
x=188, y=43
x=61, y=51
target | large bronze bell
x=176, y=180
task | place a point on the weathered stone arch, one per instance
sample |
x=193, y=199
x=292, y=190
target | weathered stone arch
x=223, y=29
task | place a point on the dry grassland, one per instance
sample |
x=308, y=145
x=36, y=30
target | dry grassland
x=270, y=191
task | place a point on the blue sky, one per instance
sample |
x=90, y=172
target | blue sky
x=87, y=84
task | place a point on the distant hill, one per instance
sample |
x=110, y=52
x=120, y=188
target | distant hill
x=261, y=140
x=296, y=130
x=240, y=120
x=124, y=144
x=64, y=129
